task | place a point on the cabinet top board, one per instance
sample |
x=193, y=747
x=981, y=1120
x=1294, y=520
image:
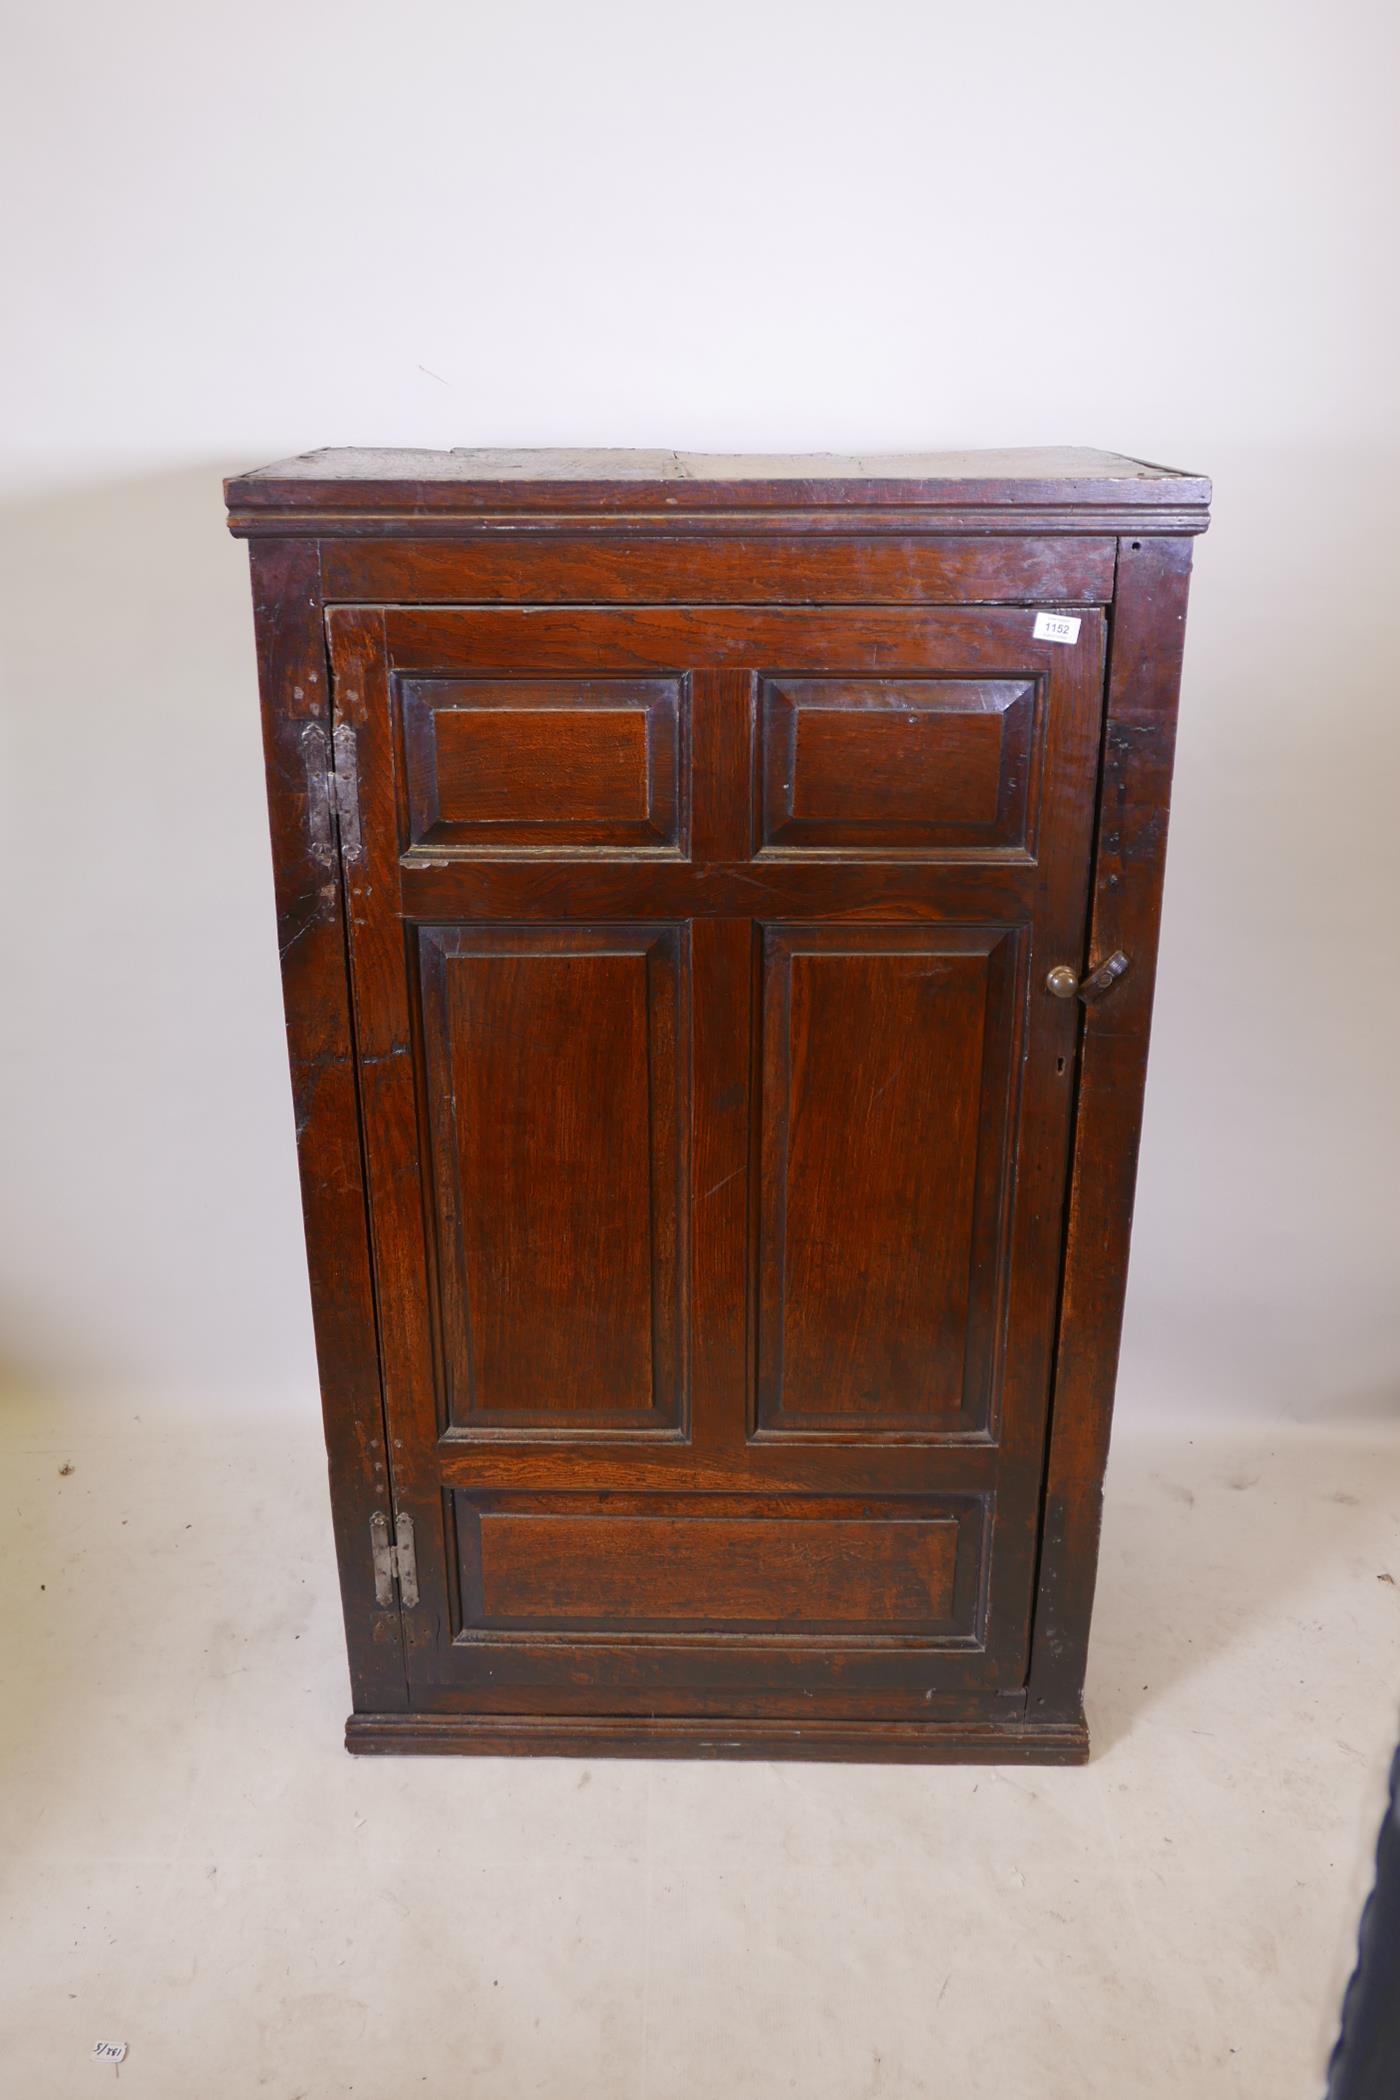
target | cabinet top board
x=1048, y=484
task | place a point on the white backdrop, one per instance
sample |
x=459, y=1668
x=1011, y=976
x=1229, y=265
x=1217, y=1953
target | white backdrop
x=235, y=232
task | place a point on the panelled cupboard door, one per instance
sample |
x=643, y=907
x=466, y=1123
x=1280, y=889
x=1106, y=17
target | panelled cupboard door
x=716, y=1116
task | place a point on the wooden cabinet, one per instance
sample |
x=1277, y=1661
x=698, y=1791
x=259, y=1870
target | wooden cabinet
x=718, y=911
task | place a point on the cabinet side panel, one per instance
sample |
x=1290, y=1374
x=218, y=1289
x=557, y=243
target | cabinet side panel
x=294, y=681
x=1148, y=632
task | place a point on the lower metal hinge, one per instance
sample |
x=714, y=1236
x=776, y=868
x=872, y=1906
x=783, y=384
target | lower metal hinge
x=395, y=1568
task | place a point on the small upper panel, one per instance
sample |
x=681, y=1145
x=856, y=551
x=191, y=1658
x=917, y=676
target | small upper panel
x=906, y=764
x=501, y=765
x=425, y=483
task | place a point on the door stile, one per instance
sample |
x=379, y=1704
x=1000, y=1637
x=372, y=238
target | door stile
x=1056, y=934
x=1130, y=847
x=722, y=1095
x=384, y=968
x=722, y=985
x=722, y=733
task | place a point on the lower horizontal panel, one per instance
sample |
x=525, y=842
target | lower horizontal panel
x=560, y=1564
x=837, y=1742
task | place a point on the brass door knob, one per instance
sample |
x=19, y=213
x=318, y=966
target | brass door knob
x=1062, y=982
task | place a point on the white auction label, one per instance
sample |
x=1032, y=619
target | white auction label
x=1056, y=627
x=108, y=2052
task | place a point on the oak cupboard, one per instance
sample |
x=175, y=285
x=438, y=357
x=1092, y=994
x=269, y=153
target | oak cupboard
x=718, y=906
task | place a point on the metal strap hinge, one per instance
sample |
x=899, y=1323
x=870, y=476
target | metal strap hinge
x=345, y=781
x=395, y=1568
x=332, y=789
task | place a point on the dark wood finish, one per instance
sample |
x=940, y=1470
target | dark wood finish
x=1139, y=744
x=494, y=765
x=883, y=1251
x=716, y=1118
x=573, y=1266
x=956, y=1739
x=293, y=674
x=617, y=562
x=903, y=763
x=556, y=1084
x=808, y=1570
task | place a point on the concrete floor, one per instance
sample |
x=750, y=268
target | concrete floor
x=194, y=1866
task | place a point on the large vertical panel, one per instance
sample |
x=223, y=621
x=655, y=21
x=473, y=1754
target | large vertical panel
x=886, y=1079
x=557, y=1160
